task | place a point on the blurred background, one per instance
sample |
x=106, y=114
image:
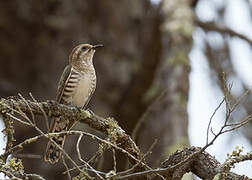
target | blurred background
x=162, y=65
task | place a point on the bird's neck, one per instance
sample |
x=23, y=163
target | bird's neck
x=83, y=68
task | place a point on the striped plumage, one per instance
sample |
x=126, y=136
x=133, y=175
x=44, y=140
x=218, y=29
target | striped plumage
x=76, y=87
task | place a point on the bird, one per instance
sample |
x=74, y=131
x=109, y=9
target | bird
x=76, y=87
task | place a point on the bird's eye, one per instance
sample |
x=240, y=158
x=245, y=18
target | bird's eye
x=84, y=48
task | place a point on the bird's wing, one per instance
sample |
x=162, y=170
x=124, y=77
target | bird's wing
x=89, y=96
x=53, y=154
x=62, y=83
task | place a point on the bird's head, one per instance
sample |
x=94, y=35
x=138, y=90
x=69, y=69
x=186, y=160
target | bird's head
x=82, y=55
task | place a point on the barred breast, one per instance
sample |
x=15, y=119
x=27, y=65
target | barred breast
x=70, y=87
x=79, y=88
x=81, y=94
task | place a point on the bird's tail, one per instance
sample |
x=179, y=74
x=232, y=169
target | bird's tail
x=53, y=153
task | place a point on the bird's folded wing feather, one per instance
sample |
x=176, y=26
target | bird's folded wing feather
x=62, y=83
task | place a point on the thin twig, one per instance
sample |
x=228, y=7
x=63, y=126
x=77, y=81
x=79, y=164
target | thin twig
x=43, y=112
x=135, y=131
x=28, y=119
x=212, y=26
x=114, y=159
x=80, y=158
x=211, y=118
x=128, y=171
x=67, y=169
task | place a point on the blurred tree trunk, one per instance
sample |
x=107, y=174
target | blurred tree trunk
x=166, y=119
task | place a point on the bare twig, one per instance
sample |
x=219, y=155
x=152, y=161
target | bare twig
x=30, y=156
x=85, y=163
x=211, y=26
x=132, y=169
x=211, y=118
x=67, y=169
x=23, y=114
x=140, y=122
x=114, y=159
x=43, y=112
x=91, y=160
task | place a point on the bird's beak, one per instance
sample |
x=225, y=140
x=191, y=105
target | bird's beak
x=97, y=46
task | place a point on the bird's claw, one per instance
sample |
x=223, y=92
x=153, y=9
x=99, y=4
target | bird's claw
x=90, y=111
x=77, y=107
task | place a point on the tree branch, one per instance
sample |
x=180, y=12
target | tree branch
x=212, y=26
x=53, y=109
x=203, y=165
x=193, y=159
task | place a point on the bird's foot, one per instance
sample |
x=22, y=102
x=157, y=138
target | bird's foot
x=90, y=111
x=77, y=107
